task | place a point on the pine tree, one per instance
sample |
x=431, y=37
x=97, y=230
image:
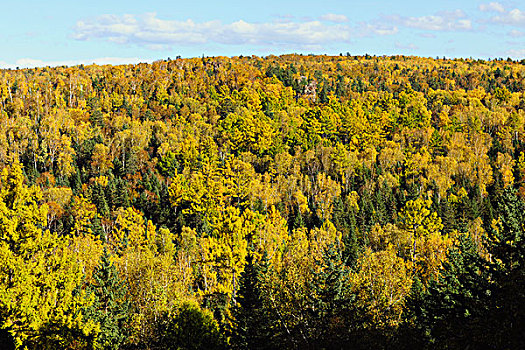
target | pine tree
x=96, y=227
x=111, y=192
x=298, y=220
x=99, y=199
x=110, y=308
x=446, y=213
x=122, y=197
x=344, y=220
x=351, y=246
x=381, y=202
x=249, y=323
x=452, y=309
x=507, y=234
x=330, y=303
x=340, y=216
x=97, y=117
x=507, y=231
x=76, y=181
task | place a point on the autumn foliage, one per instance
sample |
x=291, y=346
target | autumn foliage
x=255, y=202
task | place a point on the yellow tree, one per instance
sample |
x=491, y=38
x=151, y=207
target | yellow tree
x=57, y=198
x=270, y=236
x=325, y=191
x=65, y=157
x=382, y=283
x=39, y=275
x=100, y=160
x=223, y=252
x=158, y=278
x=130, y=229
x=83, y=213
x=505, y=164
x=428, y=246
x=441, y=172
x=345, y=163
x=293, y=263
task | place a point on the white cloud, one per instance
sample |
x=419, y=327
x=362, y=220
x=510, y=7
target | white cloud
x=406, y=46
x=443, y=21
x=378, y=29
x=516, y=53
x=386, y=31
x=332, y=17
x=152, y=32
x=513, y=17
x=32, y=63
x=492, y=7
x=516, y=33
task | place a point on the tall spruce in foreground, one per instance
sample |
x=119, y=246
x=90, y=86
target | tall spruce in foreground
x=451, y=311
x=331, y=308
x=110, y=308
x=507, y=235
x=249, y=321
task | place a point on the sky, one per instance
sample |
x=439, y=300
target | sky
x=50, y=33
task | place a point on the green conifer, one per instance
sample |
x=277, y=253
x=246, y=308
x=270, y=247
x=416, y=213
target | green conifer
x=110, y=307
x=249, y=321
x=330, y=303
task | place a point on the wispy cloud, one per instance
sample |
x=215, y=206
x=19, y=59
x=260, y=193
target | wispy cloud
x=516, y=33
x=332, y=17
x=442, y=21
x=515, y=53
x=378, y=29
x=427, y=35
x=150, y=31
x=32, y=63
x=513, y=17
x=406, y=46
x=492, y=7
x=294, y=33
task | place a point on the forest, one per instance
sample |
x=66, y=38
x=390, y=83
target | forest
x=295, y=201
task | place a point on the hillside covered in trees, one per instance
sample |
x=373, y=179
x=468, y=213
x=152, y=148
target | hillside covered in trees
x=254, y=203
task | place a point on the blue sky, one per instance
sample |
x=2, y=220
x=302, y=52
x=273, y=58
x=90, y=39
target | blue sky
x=40, y=33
